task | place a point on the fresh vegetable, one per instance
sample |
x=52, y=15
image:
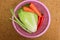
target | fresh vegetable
x=32, y=6
x=28, y=18
x=18, y=22
x=40, y=21
x=27, y=9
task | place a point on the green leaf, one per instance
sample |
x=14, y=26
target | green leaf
x=29, y=19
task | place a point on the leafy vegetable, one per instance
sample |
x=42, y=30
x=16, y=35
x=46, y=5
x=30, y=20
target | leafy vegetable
x=29, y=19
x=33, y=7
x=18, y=21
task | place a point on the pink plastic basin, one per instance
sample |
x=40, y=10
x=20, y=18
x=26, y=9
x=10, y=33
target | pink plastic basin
x=45, y=25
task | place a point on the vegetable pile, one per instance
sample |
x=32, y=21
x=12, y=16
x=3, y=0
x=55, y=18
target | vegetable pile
x=29, y=18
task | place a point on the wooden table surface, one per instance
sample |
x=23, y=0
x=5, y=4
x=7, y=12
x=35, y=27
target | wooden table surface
x=7, y=32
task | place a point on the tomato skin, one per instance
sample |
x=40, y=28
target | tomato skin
x=40, y=21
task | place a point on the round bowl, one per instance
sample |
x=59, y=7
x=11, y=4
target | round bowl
x=45, y=25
